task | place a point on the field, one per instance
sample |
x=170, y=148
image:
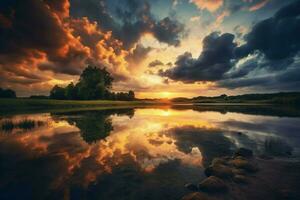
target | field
x=23, y=104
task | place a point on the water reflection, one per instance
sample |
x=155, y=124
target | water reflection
x=93, y=125
x=130, y=153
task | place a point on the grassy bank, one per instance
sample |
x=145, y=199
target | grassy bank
x=9, y=105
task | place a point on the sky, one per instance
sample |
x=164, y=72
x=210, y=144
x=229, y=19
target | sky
x=158, y=48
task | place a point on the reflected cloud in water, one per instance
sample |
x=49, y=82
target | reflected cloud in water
x=140, y=153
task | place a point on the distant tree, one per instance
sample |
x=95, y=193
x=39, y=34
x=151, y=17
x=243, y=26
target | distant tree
x=131, y=95
x=94, y=83
x=71, y=92
x=39, y=97
x=7, y=93
x=57, y=93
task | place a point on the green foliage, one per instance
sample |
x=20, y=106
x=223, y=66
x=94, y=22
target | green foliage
x=71, y=92
x=57, y=93
x=7, y=93
x=94, y=83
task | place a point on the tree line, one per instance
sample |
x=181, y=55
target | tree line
x=94, y=84
x=7, y=93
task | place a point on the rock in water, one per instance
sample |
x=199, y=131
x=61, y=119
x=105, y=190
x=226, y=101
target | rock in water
x=240, y=179
x=191, y=187
x=244, y=152
x=213, y=184
x=219, y=170
x=196, y=196
x=244, y=164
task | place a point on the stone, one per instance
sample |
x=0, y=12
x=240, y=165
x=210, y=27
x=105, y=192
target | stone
x=239, y=171
x=219, y=170
x=196, y=196
x=191, y=186
x=213, y=184
x=265, y=157
x=244, y=164
x=217, y=161
x=244, y=152
x=240, y=179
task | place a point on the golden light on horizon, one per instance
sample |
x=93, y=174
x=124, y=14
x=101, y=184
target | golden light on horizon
x=165, y=95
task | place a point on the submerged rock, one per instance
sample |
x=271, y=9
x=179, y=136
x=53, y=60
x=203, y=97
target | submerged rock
x=240, y=179
x=239, y=171
x=244, y=164
x=244, y=152
x=196, y=196
x=213, y=184
x=191, y=186
x=219, y=170
x=265, y=157
x=217, y=161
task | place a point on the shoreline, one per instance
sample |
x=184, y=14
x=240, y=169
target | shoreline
x=21, y=105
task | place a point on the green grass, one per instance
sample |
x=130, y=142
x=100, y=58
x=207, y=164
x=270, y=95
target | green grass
x=11, y=105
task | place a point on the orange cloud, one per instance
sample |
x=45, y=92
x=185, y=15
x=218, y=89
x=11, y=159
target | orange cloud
x=258, y=5
x=211, y=5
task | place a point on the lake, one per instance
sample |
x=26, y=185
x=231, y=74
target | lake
x=133, y=153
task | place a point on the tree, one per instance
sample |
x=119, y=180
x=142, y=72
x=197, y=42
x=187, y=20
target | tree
x=71, y=92
x=57, y=93
x=94, y=83
x=131, y=95
x=7, y=93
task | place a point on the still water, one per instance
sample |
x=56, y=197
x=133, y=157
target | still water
x=141, y=153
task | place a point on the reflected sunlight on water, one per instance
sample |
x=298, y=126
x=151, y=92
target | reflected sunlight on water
x=88, y=148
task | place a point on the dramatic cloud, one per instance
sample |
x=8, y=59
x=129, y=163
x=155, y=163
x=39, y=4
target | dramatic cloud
x=214, y=61
x=277, y=37
x=41, y=40
x=259, y=5
x=138, y=54
x=136, y=20
x=272, y=48
x=155, y=63
x=211, y=5
x=268, y=57
x=49, y=42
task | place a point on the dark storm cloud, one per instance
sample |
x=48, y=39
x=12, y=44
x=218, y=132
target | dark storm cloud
x=214, y=61
x=155, y=63
x=285, y=80
x=269, y=58
x=276, y=37
x=132, y=19
x=138, y=54
x=32, y=26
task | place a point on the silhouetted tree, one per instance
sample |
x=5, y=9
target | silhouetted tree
x=94, y=125
x=71, y=92
x=131, y=95
x=94, y=83
x=57, y=93
x=7, y=93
